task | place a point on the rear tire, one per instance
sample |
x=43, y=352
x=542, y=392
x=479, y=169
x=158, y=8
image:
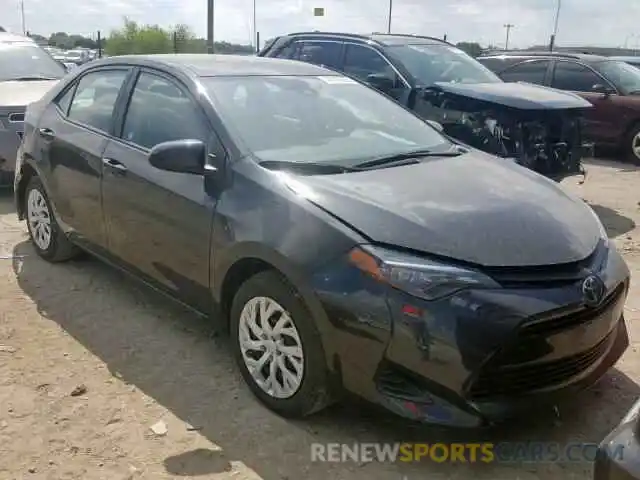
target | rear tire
x=273, y=333
x=632, y=145
x=47, y=238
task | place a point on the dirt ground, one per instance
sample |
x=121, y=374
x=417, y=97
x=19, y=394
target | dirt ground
x=135, y=359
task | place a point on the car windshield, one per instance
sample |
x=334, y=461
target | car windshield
x=429, y=64
x=317, y=119
x=21, y=61
x=625, y=77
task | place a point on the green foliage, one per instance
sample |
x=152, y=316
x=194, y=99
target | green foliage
x=472, y=48
x=134, y=38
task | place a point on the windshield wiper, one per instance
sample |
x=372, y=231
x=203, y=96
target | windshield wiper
x=406, y=158
x=306, y=167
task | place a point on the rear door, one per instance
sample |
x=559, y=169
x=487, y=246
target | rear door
x=605, y=119
x=531, y=71
x=159, y=222
x=72, y=135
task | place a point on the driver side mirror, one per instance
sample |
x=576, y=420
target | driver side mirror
x=602, y=88
x=181, y=156
x=381, y=82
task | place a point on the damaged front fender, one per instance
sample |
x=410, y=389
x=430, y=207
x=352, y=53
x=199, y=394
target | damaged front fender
x=538, y=127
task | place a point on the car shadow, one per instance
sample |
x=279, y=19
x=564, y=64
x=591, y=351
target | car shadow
x=612, y=162
x=171, y=355
x=614, y=223
x=6, y=201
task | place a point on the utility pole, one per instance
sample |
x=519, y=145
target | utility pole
x=255, y=28
x=210, y=18
x=390, y=10
x=552, y=42
x=508, y=26
x=24, y=24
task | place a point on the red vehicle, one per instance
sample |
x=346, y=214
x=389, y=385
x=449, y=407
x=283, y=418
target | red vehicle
x=612, y=86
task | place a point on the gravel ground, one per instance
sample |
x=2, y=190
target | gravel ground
x=90, y=360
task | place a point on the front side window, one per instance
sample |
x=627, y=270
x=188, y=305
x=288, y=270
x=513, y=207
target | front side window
x=95, y=98
x=575, y=77
x=624, y=76
x=532, y=72
x=27, y=62
x=160, y=111
x=429, y=64
x=331, y=119
x=360, y=62
x=325, y=54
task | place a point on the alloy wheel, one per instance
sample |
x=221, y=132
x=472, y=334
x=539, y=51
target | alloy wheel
x=635, y=145
x=39, y=219
x=271, y=347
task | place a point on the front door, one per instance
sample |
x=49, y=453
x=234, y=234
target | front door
x=603, y=121
x=159, y=223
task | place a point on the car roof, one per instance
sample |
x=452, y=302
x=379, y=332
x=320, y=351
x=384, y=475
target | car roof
x=211, y=65
x=6, y=37
x=381, y=38
x=583, y=57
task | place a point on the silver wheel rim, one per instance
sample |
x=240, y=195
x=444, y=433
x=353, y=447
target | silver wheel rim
x=635, y=145
x=271, y=347
x=39, y=219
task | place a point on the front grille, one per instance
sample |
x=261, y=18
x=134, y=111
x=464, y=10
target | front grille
x=517, y=380
x=548, y=276
x=556, y=323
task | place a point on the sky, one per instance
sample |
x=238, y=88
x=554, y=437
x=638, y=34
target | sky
x=593, y=22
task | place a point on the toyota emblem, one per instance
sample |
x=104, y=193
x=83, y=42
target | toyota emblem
x=593, y=290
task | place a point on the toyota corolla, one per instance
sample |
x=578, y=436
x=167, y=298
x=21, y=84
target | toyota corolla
x=345, y=242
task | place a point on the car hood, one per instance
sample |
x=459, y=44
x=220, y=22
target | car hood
x=474, y=208
x=524, y=96
x=23, y=93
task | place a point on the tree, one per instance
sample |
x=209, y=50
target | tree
x=472, y=48
x=134, y=38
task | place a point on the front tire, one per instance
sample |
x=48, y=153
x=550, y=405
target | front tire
x=632, y=145
x=47, y=238
x=277, y=347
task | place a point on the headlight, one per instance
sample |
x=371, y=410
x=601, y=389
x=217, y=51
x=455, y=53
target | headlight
x=416, y=276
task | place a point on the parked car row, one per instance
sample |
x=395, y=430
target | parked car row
x=76, y=56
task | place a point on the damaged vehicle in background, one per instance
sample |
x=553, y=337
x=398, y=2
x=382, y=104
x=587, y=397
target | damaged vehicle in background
x=538, y=127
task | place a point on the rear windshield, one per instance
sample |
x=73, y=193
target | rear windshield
x=20, y=61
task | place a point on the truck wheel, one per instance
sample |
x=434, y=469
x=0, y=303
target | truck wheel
x=45, y=233
x=277, y=347
x=633, y=145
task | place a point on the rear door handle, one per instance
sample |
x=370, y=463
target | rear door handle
x=47, y=133
x=114, y=164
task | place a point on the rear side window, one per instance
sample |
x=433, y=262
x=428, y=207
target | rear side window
x=95, y=98
x=160, y=111
x=532, y=72
x=576, y=77
x=325, y=54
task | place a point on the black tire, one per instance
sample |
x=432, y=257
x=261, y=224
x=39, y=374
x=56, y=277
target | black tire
x=313, y=394
x=632, y=139
x=60, y=248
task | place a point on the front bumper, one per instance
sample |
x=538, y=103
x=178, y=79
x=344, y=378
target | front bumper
x=480, y=356
x=618, y=456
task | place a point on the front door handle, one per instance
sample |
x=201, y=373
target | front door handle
x=114, y=164
x=47, y=133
